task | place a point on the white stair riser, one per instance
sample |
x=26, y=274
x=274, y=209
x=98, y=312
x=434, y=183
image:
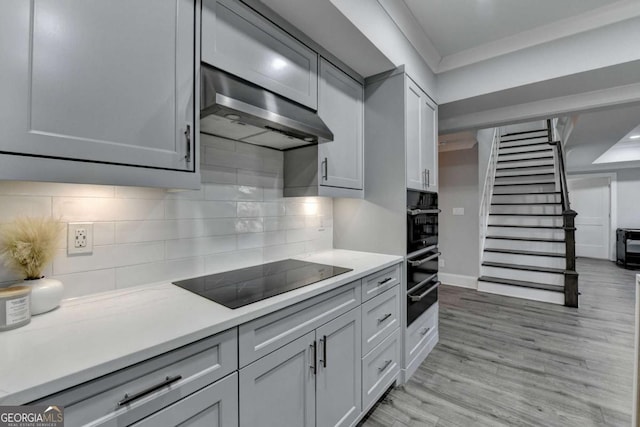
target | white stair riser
x=526, y=198
x=510, y=172
x=528, y=188
x=529, y=155
x=525, y=245
x=527, y=209
x=522, y=179
x=532, y=162
x=538, y=261
x=529, y=276
x=524, y=147
x=520, y=292
x=549, y=221
x=542, y=233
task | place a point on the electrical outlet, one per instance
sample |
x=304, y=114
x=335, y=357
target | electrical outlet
x=80, y=238
x=441, y=262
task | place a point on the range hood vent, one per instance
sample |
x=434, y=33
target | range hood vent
x=234, y=108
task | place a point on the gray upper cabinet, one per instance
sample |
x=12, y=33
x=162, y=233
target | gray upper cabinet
x=108, y=81
x=421, y=139
x=340, y=105
x=238, y=40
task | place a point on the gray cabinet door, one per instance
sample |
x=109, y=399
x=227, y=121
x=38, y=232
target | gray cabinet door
x=429, y=127
x=279, y=389
x=213, y=406
x=238, y=40
x=339, y=385
x=108, y=81
x=414, y=120
x=340, y=105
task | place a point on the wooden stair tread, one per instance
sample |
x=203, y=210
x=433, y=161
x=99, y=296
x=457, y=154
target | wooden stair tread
x=524, y=183
x=523, y=267
x=524, y=132
x=525, y=239
x=522, y=283
x=521, y=252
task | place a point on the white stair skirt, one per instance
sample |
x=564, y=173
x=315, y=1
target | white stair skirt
x=529, y=276
x=520, y=292
x=519, y=259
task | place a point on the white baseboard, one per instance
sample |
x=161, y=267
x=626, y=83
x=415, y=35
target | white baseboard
x=458, y=280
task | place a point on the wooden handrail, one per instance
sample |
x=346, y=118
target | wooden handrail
x=569, y=224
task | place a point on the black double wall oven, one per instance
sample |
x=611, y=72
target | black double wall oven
x=422, y=252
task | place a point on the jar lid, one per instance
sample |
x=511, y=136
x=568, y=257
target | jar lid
x=15, y=291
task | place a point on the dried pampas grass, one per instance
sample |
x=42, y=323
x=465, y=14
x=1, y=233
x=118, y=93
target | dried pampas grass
x=28, y=244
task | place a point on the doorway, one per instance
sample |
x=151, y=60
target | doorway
x=591, y=198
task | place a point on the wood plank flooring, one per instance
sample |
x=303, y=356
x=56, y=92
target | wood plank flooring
x=509, y=362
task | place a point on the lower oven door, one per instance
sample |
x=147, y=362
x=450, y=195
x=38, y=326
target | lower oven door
x=420, y=298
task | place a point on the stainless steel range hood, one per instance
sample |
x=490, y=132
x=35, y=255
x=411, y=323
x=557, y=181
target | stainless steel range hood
x=233, y=108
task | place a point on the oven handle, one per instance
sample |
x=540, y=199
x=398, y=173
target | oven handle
x=414, y=212
x=421, y=284
x=418, y=262
x=415, y=298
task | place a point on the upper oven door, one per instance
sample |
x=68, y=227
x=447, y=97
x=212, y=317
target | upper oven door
x=422, y=229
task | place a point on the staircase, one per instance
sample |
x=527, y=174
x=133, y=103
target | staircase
x=529, y=243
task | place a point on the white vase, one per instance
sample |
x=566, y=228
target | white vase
x=46, y=294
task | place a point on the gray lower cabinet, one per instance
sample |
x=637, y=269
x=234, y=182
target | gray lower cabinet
x=279, y=389
x=312, y=381
x=238, y=40
x=85, y=81
x=213, y=406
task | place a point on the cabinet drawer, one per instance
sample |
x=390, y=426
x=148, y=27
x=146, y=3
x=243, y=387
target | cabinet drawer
x=378, y=282
x=420, y=331
x=380, y=368
x=101, y=402
x=213, y=406
x=266, y=334
x=238, y=40
x=380, y=316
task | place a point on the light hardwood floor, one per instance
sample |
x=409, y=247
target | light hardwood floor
x=509, y=362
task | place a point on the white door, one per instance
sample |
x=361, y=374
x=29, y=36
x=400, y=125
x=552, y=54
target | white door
x=109, y=81
x=590, y=198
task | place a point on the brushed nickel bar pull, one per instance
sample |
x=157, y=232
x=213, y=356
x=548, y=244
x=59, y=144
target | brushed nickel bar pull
x=130, y=398
x=382, y=282
x=187, y=134
x=324, y=351
x=415, y=263
x=385, y=366
x=416, y=298
x=385, y=317
x=315, y=357
x=424, y=331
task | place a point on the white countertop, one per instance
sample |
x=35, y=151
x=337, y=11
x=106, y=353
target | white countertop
x=91, y=336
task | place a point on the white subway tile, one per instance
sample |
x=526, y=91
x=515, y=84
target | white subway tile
x=260, y=209
x=164, y=271
x=140, y=231
x=185, y=209
x=218, y=174
x=252, y=225
x=140, y=193
x=186, y=194
x=260, y=179
x=185, y=248
x=139, y=209
x=273, y=193
x=52, y=189
x=108, y=257
x=89, y=282
x=217, y=142
x=275, y=253
x=232, y=192
x=294, y=236
x=191, y=228
x=232, y=260
x=12, y=207
x=258, y=240
x=73, y=209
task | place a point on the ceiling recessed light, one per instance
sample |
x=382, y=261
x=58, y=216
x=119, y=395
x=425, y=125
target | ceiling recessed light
x=634, y=137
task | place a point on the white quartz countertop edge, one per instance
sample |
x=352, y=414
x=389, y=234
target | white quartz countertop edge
x=92, y=336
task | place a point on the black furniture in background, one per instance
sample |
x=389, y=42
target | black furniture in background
x=628, y=247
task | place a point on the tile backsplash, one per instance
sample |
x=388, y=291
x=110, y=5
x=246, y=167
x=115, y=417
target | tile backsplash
x=142, y=235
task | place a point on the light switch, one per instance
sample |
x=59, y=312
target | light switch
x=458, y=211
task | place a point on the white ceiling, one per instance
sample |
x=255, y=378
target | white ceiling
x=454, y=26
x=625, y=150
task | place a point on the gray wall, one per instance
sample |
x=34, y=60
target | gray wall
x=459, y=235
x=629, y=198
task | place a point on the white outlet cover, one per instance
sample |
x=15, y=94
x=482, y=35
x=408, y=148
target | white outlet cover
x=71, y=237
x=458, y=211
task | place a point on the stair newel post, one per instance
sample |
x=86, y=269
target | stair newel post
x=570, y=274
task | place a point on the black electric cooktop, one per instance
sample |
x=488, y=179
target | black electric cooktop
x=241, y=287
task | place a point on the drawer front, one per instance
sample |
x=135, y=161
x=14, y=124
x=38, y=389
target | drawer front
x=380, y=368
x=380, y=317
x=419, y=332
x=242, y=42
x=213, y=406
x=378, y=282
x=182, y=371
x=266, y=334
